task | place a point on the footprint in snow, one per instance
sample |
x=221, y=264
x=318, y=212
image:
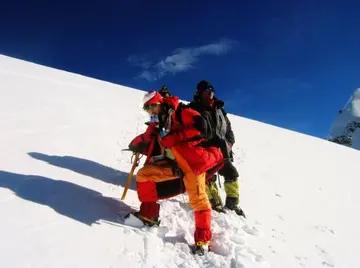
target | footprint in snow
x=328, y=260
x=251, y=230
x=257, y=257
x=277, y=236
x=237, y=240
x=301, y=260
x=322, y=251
x=324, y=229
x=297, y=257
x=249, y=254
x=328, y=264
x=272, y=250
x=236, y=263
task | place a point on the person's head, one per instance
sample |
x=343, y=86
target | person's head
x=164, y=91
x=152, y=102
x=205, y=92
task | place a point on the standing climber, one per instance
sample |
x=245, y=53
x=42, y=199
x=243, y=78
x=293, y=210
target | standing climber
x=218, y=133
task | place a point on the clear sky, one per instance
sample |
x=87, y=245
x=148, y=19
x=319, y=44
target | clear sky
x=293, y=64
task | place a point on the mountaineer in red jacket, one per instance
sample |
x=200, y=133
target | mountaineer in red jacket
x=180, y=131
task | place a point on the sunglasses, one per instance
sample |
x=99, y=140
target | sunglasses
x=149, y=107
x=209, y=89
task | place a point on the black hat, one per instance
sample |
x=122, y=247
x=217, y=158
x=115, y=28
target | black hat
x=164, y=91
x=202, y=86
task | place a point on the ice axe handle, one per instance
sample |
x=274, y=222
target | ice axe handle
x=131, y=173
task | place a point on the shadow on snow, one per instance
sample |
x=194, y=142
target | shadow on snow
x=71, y=200
x=86, y=167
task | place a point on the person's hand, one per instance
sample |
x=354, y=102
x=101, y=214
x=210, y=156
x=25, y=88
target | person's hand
x=163, y=133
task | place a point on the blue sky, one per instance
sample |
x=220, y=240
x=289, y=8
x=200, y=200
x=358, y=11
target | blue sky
x=293, y=64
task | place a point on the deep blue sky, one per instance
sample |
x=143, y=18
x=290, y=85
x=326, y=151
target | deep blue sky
x=293, y=64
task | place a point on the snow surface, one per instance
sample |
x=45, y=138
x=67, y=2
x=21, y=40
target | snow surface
x=62, y=172
x=351, y=112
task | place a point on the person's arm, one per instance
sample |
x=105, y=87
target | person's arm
x=194, y=128
x=230, y=137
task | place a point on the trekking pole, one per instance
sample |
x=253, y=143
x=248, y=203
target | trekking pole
x=128, y=182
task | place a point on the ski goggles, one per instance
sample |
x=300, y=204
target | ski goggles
x=149, y=107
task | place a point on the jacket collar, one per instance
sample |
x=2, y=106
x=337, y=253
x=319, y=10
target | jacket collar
x=217, y=104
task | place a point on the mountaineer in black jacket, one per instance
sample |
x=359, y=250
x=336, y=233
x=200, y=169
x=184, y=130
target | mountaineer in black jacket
x=164, y=91
x=220, y=134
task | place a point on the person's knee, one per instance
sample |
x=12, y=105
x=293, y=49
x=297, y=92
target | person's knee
x=199, y=202
x=142, y=175
x=147, y=191
x=156, y=173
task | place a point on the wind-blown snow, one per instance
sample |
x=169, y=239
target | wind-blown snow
x=62, y=173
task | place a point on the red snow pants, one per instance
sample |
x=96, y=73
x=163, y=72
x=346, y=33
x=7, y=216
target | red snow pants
x=156, y=181
x=196, y=188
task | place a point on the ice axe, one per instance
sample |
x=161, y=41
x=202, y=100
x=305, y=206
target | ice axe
x=135, y=163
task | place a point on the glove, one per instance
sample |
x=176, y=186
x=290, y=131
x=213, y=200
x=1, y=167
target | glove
x=163, y=133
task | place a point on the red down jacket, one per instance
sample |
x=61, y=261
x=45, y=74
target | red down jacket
x=185, y=137
x=146, y=143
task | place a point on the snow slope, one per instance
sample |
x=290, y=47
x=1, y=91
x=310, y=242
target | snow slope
x=351, y=112
x=62, y=172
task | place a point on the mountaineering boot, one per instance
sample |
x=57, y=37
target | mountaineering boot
x=212, y=192
x=216, y=206
x=200, y=249
x=133, y=216
x=148, y=215
x=232, y=197
x=231, y=203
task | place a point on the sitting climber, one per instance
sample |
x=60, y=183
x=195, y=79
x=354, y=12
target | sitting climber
x=179, y=135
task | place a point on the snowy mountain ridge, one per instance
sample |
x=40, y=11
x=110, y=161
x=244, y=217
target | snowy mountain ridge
x=62, y=173
x=346, y=127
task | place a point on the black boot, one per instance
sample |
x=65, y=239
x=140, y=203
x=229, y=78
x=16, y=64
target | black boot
x=216, y=206
x=231, y=203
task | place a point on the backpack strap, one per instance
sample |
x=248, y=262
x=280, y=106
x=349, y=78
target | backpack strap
x=178, y=113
